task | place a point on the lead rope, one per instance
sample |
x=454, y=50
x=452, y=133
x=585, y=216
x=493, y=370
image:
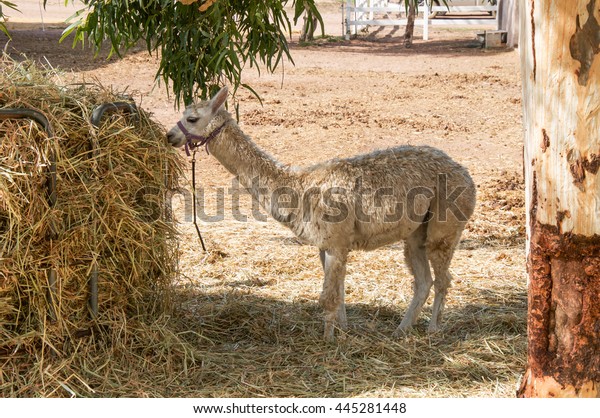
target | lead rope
x=194, y=199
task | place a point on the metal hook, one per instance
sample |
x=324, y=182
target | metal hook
x=96, y=117
x=42, y=120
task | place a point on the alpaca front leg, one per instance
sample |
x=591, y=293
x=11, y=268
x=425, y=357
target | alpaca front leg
x=332, y=297
x=332, y=301
x=341, y=313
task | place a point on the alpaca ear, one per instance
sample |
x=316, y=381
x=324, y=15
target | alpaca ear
x=218, y=99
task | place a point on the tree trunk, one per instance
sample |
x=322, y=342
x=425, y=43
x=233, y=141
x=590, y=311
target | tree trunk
x=410, y=25
x=308, y=28
x=559, y=47
x=508, y=20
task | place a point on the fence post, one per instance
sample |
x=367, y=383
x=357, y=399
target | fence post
x=347, y=19
x=426, y=21
x=507, y=18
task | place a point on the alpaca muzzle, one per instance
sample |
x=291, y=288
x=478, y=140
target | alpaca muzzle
x=193, y=141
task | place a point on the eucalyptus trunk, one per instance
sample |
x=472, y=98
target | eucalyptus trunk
x=559, y=46
x=309, y=26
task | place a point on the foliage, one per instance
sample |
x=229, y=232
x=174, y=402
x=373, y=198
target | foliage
x=2, y=17
x=201, y=44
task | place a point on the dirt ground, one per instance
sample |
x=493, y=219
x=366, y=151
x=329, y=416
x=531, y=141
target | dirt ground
x=342, y=98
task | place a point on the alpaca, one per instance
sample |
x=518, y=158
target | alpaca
x=413, y=193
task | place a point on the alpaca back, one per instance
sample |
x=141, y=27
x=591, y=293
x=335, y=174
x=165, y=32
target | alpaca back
x=375, y=199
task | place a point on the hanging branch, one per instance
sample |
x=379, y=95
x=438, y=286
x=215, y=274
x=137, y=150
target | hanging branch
x=201, y=44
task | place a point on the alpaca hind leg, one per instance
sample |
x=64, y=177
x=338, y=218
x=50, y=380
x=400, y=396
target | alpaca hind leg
x=450, y=213
x=440, y=254
x=332, y=297
x=416, y=259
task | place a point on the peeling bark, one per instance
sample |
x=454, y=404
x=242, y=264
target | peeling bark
x=560, y=216
x=577, y=171
x=591, y=164
x=579, y=167
x=585, y=43
x=545, y=140
x=564, y=314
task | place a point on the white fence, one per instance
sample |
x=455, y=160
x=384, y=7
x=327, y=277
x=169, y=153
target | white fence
x=361, y=13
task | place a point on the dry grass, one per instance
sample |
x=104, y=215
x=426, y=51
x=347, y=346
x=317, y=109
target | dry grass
x=243, y=319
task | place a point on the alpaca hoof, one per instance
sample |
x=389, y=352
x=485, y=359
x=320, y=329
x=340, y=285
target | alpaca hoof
x=433, y=329
x=401, y=332
x=329, y=333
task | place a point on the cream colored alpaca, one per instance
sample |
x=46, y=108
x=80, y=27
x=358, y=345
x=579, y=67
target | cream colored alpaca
x=359, y=203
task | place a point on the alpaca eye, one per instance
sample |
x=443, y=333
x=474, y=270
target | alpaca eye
x=192, y=119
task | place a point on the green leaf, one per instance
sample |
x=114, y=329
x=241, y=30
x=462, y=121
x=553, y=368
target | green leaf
x=4, y=30
x=11, y=5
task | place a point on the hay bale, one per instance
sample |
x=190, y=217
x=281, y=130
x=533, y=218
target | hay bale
x=111, y=211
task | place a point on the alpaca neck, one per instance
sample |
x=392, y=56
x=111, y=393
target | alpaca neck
x=256, y=171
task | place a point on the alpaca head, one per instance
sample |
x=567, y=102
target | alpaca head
x=195, y=120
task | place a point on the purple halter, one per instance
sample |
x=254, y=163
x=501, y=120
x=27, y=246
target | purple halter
x=193, y=141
